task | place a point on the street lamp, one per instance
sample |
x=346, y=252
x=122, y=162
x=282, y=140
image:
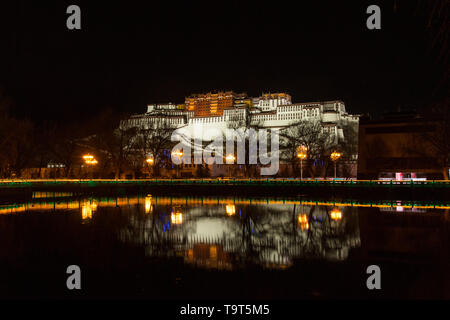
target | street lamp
x=89, y=160
x=335, y=157
x=302, y=154
x=178, y=154
x=229, y=159
x=88, y=157
x=149, y=162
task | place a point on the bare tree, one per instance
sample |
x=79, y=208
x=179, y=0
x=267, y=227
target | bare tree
x=113, y=143
x=439, y=138
x=349, y=147
x=153, y=140
x=311, y=135
x=63, y=144
x=18, y=146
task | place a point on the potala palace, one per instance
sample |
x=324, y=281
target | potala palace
x=211, y=113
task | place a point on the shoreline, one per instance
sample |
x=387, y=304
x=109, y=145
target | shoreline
x=345, y=189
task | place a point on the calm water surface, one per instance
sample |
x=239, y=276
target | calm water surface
x=162, y=247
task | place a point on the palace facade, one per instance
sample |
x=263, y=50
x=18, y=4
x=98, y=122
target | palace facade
x=211, y=113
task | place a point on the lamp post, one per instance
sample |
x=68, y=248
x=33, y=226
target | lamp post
x=90, y=160
x=230, y=160
x=149, y=162
x=335, y=157
x=178, y=154
x=302, y=154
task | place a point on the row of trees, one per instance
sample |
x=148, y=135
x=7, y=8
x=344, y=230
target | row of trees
x=318, y=142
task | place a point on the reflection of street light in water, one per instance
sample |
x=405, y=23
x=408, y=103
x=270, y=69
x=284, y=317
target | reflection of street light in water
x=87, y=208
x=176, y=217
x=336, y=214
x=148, y=204
x=303, y=222
x=230, y=209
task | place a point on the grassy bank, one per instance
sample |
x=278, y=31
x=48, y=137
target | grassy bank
x=353, y=189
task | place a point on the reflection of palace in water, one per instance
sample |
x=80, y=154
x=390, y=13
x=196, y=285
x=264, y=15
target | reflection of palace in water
x=225, y=233
x=222, y=233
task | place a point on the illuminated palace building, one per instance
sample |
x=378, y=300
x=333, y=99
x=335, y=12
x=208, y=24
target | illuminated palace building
x=211, y=113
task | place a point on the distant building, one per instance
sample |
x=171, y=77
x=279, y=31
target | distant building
x=394, y=148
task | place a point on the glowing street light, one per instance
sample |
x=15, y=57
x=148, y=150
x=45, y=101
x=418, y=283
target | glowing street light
x=178, y=154
x=230, y=158
x=302, y=154
x=150, y=161
x=89, y=159
x=335, y=157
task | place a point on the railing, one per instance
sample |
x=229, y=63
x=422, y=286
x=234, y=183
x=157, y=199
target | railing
x=260, y=182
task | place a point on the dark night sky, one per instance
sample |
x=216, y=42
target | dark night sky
x=129, y=54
